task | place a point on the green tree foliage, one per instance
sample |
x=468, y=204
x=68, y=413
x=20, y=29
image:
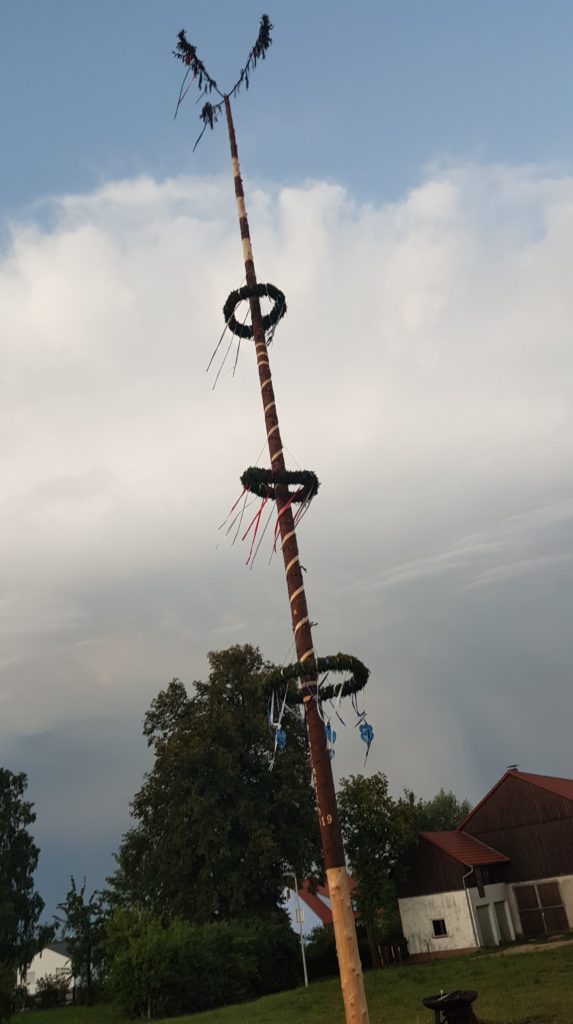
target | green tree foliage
x=7, y=986
x=378, y=831
x=82, y=926
x=320, y=950
x=215, y=829
x=160, y=968
x=321, y=955
x=442, y=813
x=52, y=990
x=20, y=904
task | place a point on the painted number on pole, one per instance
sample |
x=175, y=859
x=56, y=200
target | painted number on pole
x=326, y=819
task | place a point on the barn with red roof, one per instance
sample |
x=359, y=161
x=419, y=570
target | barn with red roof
x=505, y=873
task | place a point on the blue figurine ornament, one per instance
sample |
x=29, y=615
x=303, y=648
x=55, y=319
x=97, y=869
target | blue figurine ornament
x=366, y=734
x=330, y=739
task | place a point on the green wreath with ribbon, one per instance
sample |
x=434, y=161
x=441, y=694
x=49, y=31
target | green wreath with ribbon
x=250, y=292
x=276, y=681
x=262, y=482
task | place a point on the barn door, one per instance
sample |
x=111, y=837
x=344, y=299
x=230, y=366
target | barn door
x=484, y=922
x=552, y=907
x=541, y=909
x=500, y=908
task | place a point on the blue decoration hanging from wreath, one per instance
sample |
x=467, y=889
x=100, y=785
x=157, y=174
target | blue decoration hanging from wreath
x=366, y=734
x=330, y=739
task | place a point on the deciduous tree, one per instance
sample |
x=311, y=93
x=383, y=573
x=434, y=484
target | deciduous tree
x=442, y=813
x=7, y=984
x=379, y=832
x=215, y=829
x=81, y=921
x=20, y=904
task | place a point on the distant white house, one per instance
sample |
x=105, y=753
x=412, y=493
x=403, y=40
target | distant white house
x=53, y=959
x=312, y=906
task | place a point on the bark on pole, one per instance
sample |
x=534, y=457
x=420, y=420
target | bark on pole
x=351, y=979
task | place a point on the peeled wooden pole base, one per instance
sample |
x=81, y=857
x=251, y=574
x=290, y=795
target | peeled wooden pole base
x=351, y=979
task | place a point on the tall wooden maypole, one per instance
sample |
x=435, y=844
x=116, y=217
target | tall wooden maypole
x=275, y=484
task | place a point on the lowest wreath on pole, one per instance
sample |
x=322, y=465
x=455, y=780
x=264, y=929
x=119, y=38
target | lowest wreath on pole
x=285, y=489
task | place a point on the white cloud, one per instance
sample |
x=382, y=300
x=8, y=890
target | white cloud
x=490, y=555
x=424, y=371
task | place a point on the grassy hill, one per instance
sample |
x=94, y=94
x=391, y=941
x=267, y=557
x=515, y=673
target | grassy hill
x=512, y=988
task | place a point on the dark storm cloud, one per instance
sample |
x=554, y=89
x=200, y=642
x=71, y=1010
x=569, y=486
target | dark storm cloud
x=424, y=371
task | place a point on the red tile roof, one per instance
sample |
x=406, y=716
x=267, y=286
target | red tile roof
x=316, y=904
x=464, y=848
x=561, y=787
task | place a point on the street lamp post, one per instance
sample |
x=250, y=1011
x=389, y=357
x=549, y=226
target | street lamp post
x=299, y=915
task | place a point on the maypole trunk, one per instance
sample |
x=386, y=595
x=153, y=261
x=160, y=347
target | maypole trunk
x=356, y=1009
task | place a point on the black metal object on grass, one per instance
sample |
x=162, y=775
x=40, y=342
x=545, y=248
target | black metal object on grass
x=452, y=1007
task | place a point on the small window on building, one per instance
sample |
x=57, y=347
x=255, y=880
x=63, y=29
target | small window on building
x=30, y=977
x=439, y=926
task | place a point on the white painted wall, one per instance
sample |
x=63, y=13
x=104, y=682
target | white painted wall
x=418, y=912
x=493, y=894
x=566, y=886
x=310, y=920
x=45, y=962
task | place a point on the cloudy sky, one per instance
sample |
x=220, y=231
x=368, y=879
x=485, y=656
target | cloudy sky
x=409, y=176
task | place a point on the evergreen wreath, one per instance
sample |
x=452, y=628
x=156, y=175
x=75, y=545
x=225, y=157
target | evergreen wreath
x=248, y=292
x=262, y=482
x=275, y=681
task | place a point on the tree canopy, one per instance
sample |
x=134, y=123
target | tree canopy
x=379, y=832
x=442, y=813
x=81, y=921
x=215, y=829
x=20, y=904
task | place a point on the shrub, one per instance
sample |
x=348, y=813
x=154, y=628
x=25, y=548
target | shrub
x=320, y=949
x=52, y=990
x=7, y=987
x=22, y=1000
x=166, y=969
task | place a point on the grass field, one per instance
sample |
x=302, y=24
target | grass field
x=527, y=987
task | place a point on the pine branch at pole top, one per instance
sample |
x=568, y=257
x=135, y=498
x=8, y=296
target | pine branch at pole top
x=274, y=484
